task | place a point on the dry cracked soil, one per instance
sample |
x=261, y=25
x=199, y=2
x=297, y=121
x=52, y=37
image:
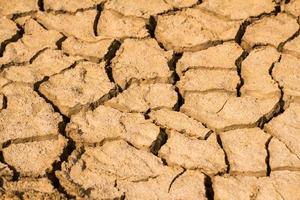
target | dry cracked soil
x=150, y=99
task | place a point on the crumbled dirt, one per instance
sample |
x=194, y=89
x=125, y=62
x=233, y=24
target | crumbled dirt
x=160, y=99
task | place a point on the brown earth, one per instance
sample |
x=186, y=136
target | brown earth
x=140, y=99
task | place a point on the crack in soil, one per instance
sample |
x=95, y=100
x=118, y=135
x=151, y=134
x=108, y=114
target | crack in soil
x=37, y=55
x=27, y=140
x=99, y=9
x=14, y=38
x=225, y=154
x=112, y=50
x=159, y=142
x=238, y=64
x=296, y=34
x=174, y=179
x=268, y=156
x=151, y=26
x=68, y=150
x=60, y=41
x=4, y=102
x=209, y=190
x=172, y=63
x=41, y=5
x=281, y=103
x=16, y=174
x=56, y=166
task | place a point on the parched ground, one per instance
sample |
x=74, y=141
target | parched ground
x=150, y=99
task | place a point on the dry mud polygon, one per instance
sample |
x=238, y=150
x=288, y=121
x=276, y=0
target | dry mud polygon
x=160, y=99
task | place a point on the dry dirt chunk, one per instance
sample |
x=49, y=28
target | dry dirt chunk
x=27, y=115
x=222, y=111
x=30, y=188
x=106, y=123
x=193, y=29
x=222, y=56
x=182, y=3
x=192, y=153
x=98, y=168
x=205, y=80
x=287, y=184
x=70, y=5
x=286, y=127
x=293, y=7
x=139, y=8
x=50, y=62
x=239, y=9
x=35, y=39
x=293, y=47
x=246, y=152
x=240, y=187
x=115, y=25
x=79, y=25
x=189, y=185
x=271, y=30
x=78, y=88
x=17, y=7
x=287, y=73
x=141, y=61
x=180, y=122
x=7, y=29
x=280, y=185
x=34, y=158
x=281, y=158
x=255, y=72
x=93, y=51
x=140, y=98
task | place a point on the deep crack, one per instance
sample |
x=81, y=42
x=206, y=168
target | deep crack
x=96, y=21
x=41, y=5
x=172, y=66
x=68, y=150
x=281, y=103
x=60, y=41
x=238, y=64
x=112, y=50
x=239, y=35
x=159, y=142
x=225, y=154
x=70, y=147
x=151, y=26
x=14, y=38
x=209, y=191
x=268, y=170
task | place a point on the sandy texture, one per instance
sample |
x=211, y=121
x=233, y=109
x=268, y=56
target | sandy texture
x=149, y=99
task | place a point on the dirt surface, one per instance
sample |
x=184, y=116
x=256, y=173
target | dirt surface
x=140, y=99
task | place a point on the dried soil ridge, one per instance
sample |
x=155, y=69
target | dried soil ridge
x=167, y=99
